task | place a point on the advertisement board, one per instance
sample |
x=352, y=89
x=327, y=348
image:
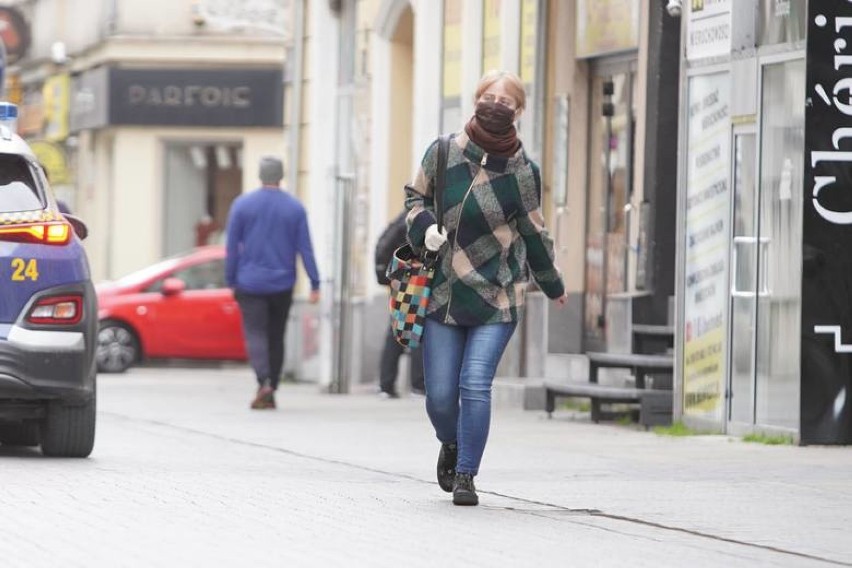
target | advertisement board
x=826, y=367
x=708, y=210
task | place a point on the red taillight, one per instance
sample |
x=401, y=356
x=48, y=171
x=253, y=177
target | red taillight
x=57, y=310
x=40, y=233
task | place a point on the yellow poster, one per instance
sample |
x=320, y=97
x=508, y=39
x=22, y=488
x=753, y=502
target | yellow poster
x=491, y=35
x=703, y=373
x=607, y=26
x=452, y=48
x=51, y=156
x=529, y=26
x=56, y=96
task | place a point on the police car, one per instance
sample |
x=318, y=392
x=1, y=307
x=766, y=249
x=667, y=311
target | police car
x=48, y=311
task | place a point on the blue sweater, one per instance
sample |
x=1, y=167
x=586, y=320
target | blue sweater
x=267, y=227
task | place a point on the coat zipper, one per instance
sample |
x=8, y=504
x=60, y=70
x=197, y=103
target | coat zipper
x=456, y=236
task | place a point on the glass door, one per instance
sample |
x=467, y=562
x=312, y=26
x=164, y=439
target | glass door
x=766, y=260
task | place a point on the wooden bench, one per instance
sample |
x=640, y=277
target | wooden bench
x=646, y=333
x=641, y=365
x=596, y=393
x=655, y=406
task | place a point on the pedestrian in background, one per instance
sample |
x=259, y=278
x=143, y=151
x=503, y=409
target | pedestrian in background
x=391, y=238
x=494, y=238
x=267, y=229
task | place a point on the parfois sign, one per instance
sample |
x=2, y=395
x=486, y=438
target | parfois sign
x=826, y=367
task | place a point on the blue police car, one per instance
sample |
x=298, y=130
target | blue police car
x=48, y=312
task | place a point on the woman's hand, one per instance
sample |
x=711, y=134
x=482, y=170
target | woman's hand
x=435, y=239
x=561, y=300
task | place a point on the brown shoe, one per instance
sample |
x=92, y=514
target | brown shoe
x=265, y=398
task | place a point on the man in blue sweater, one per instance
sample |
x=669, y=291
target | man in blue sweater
x=267, y=228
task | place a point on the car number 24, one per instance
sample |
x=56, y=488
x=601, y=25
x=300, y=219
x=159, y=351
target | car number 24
x=24, y=269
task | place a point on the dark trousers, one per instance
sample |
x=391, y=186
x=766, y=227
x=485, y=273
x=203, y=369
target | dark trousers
x=391, y=352
x=264, y=326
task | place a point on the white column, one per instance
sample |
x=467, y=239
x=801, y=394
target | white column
x=319, y=199
x=380, y=53
x=428, y=32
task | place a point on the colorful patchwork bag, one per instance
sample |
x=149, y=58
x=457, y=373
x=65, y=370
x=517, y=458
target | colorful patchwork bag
x=411, y=274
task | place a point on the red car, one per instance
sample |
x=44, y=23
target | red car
x=179, y=307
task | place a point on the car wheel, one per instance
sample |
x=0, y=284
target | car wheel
x=69, y=431
x=118, y=347
x=20, y=434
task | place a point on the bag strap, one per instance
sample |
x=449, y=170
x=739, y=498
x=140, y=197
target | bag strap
x=440, y=179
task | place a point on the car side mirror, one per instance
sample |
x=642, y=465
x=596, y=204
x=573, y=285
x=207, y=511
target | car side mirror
x=172, y=286
x=78, y=225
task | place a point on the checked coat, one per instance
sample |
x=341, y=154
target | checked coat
x=496, y=235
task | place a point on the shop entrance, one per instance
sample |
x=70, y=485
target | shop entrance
x=765, y=276
x=612, y=127
x=201, y=182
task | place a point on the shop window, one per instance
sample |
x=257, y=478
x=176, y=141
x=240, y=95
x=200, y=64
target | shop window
x=451, y=118
x=782, y=21
x=491, y=35
x=200, y=183
x=781, y=198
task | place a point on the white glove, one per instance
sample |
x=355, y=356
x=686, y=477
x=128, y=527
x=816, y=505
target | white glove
x=434, y=239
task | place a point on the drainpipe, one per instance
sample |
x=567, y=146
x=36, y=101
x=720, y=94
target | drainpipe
x=295, y=130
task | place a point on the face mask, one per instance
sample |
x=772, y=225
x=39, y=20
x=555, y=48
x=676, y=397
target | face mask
x=494, y=117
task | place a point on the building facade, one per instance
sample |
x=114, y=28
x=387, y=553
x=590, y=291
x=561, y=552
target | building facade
x=602, y=82
x=739, y=359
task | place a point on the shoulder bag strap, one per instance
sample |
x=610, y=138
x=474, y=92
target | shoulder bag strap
x=440, y=177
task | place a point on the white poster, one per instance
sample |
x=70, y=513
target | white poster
x=708, y=28
x=708, y=204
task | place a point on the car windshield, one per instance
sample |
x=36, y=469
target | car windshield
x=148, y=273
x=18, y=189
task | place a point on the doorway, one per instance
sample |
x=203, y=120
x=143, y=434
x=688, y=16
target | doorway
x=612, y=137
x=201, y=182
x=765, y=281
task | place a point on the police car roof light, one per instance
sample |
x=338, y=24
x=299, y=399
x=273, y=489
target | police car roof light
x=8, y=119
x=8, y=111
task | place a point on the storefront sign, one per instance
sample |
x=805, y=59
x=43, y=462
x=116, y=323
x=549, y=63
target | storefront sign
x=196, y=97
x=179, y=97
x=15, y=33
x=708, y=28
x=89, y=100
x=708, y=206
x=826, y=382
x=607, y=26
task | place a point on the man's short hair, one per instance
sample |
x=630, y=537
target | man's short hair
x=271, y=170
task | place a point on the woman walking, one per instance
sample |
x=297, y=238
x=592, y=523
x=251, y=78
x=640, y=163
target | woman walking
x=494, y=238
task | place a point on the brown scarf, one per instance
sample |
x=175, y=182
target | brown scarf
x=492, y=128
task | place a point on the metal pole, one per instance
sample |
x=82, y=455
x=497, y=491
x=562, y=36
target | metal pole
x=295, y=130
x=608, y=110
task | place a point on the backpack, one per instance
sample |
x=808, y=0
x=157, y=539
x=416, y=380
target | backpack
x=391, y=238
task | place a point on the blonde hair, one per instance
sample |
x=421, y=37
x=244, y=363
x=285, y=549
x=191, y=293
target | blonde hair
x=513, y=85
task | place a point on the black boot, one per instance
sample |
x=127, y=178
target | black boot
x=447, y=466
x=464, y=491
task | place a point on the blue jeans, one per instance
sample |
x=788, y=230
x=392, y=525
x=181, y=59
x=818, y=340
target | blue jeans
x=460, y=363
